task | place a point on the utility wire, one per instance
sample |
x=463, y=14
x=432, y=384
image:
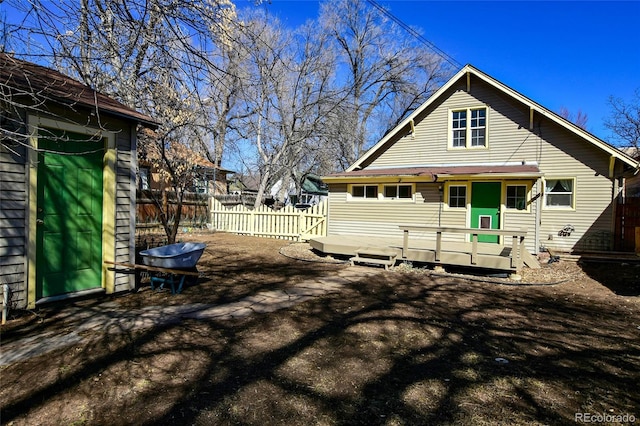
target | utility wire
x=444, y=55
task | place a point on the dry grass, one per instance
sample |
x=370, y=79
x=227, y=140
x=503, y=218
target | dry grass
x=392, y=348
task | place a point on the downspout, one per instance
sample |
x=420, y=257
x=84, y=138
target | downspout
x=538, y=218
x=5, y=303
x=441, y=193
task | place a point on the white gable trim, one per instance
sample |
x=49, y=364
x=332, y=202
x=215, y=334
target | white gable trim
x=534, y=107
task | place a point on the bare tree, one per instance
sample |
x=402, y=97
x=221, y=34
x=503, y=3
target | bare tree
x=387, y=73
x=288, y=95
x=149, y=54
x=579, y=119
x=624, y=121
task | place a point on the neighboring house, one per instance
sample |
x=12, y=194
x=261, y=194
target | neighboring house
x=242, y=189
x=478, y=154
x=313, y=191
x=67, y=190
x=206, y=177
x=244, y=184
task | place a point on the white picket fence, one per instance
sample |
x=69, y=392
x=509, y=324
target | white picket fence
x=287, y=223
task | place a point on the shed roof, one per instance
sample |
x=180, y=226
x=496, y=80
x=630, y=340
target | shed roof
x=38, y=82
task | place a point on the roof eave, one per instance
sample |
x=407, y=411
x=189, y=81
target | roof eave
x=594, y=140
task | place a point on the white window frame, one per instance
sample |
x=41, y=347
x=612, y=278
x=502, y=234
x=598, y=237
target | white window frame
x=573, y=193
x=527, y=189
x=468, y=128
x=448, y=195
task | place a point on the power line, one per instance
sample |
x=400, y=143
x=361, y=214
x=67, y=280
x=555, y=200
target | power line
x=444, y=55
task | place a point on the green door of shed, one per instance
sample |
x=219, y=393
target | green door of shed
x=69, y=214
x=485, y=208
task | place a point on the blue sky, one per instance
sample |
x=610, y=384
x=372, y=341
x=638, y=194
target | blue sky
x=571, y=54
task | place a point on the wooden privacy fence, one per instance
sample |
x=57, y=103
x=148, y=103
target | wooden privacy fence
x=288, y=223
x=627, y=231
x=194, y=209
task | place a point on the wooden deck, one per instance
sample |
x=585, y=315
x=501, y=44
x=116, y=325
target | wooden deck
x=473, y=254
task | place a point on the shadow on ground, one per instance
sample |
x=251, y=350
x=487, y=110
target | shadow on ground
x=388, y=348
x=622, y=278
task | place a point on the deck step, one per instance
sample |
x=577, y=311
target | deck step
x=375, y=255
x=530, y=260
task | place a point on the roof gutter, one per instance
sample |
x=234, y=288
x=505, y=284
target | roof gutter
x=511, y=176
x=379, y=179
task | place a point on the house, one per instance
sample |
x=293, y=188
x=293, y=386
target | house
x=204, y=177
x=242, y=189
x=478, y=154
x=312, y=192
x=67, y=186
x=199, y=179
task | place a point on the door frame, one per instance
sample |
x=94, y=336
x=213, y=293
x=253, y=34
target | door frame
x=500, y=205
x=108, y=200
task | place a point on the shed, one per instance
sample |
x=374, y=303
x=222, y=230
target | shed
x=67, y=186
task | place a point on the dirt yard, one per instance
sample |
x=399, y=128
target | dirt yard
x=376, y=347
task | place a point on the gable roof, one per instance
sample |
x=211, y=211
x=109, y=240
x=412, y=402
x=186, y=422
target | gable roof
x=42, y=83
x=468, y=70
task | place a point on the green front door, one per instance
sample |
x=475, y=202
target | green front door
x=485, y=208
x=69, y=214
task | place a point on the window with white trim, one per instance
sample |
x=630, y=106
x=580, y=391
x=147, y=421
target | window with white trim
x=364, y=191
x=559, y=193
x=516, y=197
x=469, y=128
x=458, y=196
x=459, y=126
x=398, y=191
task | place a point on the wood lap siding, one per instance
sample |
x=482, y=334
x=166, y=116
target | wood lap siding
x=592, y=217
x=558, y=152
x=13, y=205
x=383, y=217
x=508, y=136
x=125, y=220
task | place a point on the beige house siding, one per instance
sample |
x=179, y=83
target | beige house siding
x=509, y=139
x=512, y=138
x=593, y=215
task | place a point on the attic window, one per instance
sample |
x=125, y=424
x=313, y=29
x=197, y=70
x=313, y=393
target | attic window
x=468, y=128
